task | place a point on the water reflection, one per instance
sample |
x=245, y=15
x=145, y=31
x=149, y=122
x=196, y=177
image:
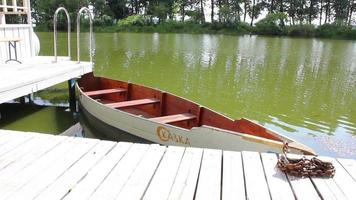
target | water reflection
x=304, y=88
x=35, y=118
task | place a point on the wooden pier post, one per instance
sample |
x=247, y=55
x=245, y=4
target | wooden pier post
x=30, y=98
x=22, y=100
x=72, y=99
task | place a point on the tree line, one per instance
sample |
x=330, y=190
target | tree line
x=220, y=11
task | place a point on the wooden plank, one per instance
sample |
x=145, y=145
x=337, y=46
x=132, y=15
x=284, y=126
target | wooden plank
x=278, y=183
x=233, y=185
x=138, y=102
x=163, y=179
x=36, y=76
x=6, y=137
x=9, y=184
x=349, y=165
x=73, y=168
x=209, y=185
x=21, y=49
x=9, y=33
x=343, y=179
x=3, y=48
x=3, y=133
x=327, y=190
x=39, y=181
x=15, y=142
x=22, y=150
x=34, y=154
x=256, y=184
x=10, y=39
x=16, y=35
x=138, y=182
x=173, y=118
x=187, y=177
x=86, y=187
x=105, y=91
x=4, y=3
x=75, y=173
x=26, y=41
x=14, y=13
x=9, y=135
x=121, y=173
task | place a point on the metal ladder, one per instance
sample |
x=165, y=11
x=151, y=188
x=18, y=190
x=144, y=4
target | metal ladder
x=83, y=9
x=56, y=34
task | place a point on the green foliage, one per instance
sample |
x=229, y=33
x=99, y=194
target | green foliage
x=133, y=20
x=272, y=24
x=104, y=20
x=306, y=30
x=335, y=31
x=44, y=11
x=341, y=10
x=226, y=13
x=160, y=10
x=139, y=23
x=195, y=15
x=162, y=15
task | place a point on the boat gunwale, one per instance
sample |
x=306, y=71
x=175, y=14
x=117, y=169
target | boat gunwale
x=297, y=145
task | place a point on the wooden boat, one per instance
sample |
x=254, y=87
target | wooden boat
x=160, y=117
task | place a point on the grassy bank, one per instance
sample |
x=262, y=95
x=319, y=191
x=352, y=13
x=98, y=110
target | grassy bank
x=325, y=31
x=268, y=26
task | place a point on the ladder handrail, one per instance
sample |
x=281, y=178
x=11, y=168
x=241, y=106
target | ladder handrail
x=90, y=32
x=56, y=34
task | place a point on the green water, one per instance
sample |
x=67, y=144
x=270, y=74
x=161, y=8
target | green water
x=303, y=88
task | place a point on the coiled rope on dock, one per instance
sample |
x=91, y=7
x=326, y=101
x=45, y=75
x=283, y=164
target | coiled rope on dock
x=304, y=167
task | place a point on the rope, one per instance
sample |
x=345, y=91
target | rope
x=304, y=167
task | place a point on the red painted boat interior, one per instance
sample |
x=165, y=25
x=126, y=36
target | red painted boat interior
x=163, y=107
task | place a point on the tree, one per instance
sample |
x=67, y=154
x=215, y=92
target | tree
x=312, y=10
x=340, y=8
x=292, y=10
x=170, y=6
x=45, y=9
x=246, y=8
x=271, y=24
x=212, y=11
x=202, y=17
x=182, y=8
x=281, y=6
x=351, y=9
x=236, y=9
x=255, y=10
x=327, y=11
x=226, y=14
x=160, y=10
x=321, y=11
x=301, y=10
x=219, y=6
x=271, y=6
x=118, y=8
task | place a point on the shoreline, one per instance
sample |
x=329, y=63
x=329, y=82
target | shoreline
x=328, y=31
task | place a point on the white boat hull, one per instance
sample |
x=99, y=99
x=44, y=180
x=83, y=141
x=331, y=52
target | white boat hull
x=165, y=134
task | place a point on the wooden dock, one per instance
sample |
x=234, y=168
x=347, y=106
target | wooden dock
x=36, y=74
x=22, y=71
x=41, y=166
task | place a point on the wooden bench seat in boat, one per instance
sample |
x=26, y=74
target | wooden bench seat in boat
x=173, y=118
x=105, y=91
x=138, y=102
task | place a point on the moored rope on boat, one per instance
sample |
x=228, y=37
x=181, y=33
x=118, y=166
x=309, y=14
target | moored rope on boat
x=303, y=167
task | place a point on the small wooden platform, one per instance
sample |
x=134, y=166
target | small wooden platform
x=40, y=166
x=37, y=73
